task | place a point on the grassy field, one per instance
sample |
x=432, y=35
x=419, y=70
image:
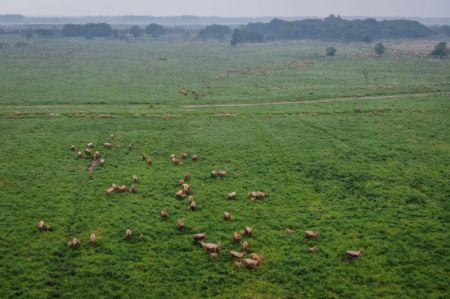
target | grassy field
x=369, y=168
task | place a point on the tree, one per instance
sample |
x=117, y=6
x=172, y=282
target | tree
x=155, y=30
x=380, y=48
x=136, y=31
x=219, y=32
x=440, y=50
x=331, y=51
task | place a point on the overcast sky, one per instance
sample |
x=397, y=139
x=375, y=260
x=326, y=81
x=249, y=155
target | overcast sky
x=240, y=8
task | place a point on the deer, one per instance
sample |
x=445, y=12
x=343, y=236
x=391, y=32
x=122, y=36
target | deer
x=210, y=246
x=309, y=234
x=232, y=195
x=237, y=236
x=248, y=231
x=245, y=245
x=164, y=214
x=74, y=243
x=199, y=237
x=128, y=234
x=93, y=239
x=237, y=254
x=354, y=253
x=181, y=224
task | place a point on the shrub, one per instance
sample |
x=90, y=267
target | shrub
x=380, y=48
x=440, y=50
x=331, y=51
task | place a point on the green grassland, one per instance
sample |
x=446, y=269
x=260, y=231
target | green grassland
x=361, y=153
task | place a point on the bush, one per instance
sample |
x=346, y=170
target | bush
x=440, y=50
x=331, y=51
x=380, y=48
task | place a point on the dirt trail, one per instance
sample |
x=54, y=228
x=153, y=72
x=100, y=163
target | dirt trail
x=343, y=99
x=243, y=105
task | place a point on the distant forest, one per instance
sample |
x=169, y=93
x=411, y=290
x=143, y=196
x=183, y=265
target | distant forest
x=330, y=28
x=333, y=28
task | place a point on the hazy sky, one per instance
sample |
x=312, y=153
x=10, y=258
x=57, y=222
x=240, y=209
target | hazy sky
x=425, y=8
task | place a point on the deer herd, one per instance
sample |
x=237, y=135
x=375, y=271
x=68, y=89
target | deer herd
x=239, y=258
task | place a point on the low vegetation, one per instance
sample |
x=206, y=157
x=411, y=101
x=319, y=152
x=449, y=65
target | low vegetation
x=187, y=168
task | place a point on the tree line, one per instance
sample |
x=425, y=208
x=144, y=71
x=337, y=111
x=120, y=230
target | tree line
x=330, y=28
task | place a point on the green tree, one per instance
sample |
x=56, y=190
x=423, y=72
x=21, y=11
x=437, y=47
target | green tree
x=136, y=31
x=440, y=50
x=331, y=51
x=380, y=48
x=155, y=30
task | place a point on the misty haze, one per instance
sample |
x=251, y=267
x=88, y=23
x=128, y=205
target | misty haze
x=224, y=149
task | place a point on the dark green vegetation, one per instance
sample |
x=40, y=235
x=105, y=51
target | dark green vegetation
x=362, y=156
x=332, y=28
x=441, y=50
x=380, y=48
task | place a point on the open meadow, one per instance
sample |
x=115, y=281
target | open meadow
x=356, y=147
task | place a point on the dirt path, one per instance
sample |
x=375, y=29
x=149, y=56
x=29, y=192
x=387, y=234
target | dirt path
x=243, y=105
x=343, y=99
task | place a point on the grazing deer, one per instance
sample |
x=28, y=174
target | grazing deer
x=309, y=234
x=237, y=254
x=186, y=188
x=232, y=195
x=181, y=224
x=180, y=194
x=74, y=243
x=245, y=245
x=210, y=246
x=128, y=234
x=149, y=161
x=313, y=249
x=257, y=195
x=199, y=237
x=237, y=236
x=93, y=239
x=248, y=230
x=354, y=254
x=164, y=214
x=227, y=215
